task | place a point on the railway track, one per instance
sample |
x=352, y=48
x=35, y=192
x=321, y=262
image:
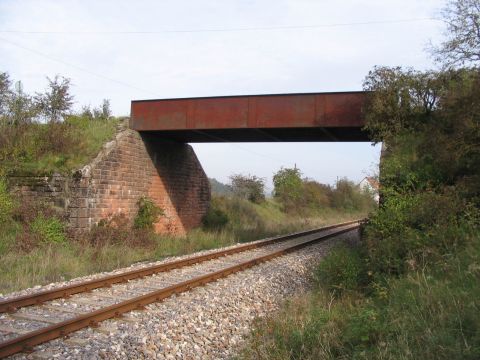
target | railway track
x=33, y=319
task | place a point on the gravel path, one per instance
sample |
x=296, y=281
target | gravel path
x=205, y=323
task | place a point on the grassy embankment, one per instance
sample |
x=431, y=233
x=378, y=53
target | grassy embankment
x=55, y=147
x=36, y=248
x=49, y=260
x=411, y=290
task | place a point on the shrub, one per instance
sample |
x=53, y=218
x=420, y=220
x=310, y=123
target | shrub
x=249, y=187
x=288, y=188
x=50, y=230
x=342, y=269
x=148, y=213
x=316, y=195
x=215, y=219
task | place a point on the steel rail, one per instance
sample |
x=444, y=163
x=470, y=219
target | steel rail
x=10, y=305
x=27, y=341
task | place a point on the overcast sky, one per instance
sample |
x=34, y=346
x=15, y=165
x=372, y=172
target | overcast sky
x=124, y=50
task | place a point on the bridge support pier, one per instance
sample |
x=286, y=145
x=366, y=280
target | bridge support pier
x=133, y=166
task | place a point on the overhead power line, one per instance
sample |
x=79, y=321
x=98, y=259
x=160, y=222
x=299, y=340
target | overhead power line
x=36, y=52
x=207, y=30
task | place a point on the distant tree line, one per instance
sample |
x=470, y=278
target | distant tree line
x=296, y=193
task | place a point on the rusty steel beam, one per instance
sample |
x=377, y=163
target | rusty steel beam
x=236, y=115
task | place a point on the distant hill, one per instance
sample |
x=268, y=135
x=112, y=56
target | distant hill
x=219, y=188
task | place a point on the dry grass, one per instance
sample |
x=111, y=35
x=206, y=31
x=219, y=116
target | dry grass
x=50, y=262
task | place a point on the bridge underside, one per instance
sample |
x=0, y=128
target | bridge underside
x=318, y=134
x=309, y=117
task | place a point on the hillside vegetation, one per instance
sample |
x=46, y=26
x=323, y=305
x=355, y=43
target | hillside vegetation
x=40, y=135
x=411, y=290
x=47, y=148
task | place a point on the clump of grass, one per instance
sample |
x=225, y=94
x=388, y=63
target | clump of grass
x=50, y=230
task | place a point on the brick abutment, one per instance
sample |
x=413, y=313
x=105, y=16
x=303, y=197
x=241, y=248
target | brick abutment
x=126, y=169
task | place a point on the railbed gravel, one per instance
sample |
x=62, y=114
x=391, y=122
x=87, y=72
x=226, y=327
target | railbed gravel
x=208, y=322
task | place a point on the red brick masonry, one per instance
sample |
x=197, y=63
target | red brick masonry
x=129, y=167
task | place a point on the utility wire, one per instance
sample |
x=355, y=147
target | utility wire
x=207, y=30
x=36, y=52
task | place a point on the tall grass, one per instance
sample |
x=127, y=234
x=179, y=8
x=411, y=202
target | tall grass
x=430, y=314
x=107, y=249
x=54, y=147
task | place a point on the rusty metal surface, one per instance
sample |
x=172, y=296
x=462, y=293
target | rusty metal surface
x=313, y=110
x=27, y=341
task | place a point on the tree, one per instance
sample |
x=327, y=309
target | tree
x=21, y=108
x=288, y=187
x=5, y=93
x=103, y=112
x=399, y=99
x=462, y=44
x=56, y=102
x=249, y=187
x=316, y=195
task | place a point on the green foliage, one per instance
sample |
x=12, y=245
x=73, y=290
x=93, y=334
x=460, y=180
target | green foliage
x=429, y=314
x=249, y=187
x=342, y=269
x=317, y=196
x=148, y=213
x=305, y=195
x=399, y=100
x=50, y=230
x=28, y=145
x=215, y=219
x=6, y=204
x=39, y=149
x=348, y=196
x=57, y=101
x=288, y=186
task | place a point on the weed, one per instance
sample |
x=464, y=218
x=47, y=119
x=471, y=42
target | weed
x=147, y=215
x=50, y=230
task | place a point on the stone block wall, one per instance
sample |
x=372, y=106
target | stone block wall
x=127, y=168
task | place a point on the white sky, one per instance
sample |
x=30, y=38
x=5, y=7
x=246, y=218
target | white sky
x=87, y=47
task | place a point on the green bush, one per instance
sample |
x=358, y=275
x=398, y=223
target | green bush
x=215, y=219
x=148, y=213
x=342, y=269
x=50, y=230
x=363, y=329
x=6, y=203
x=249, y=187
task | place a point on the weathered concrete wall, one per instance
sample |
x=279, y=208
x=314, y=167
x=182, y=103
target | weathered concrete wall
x=129, y=167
